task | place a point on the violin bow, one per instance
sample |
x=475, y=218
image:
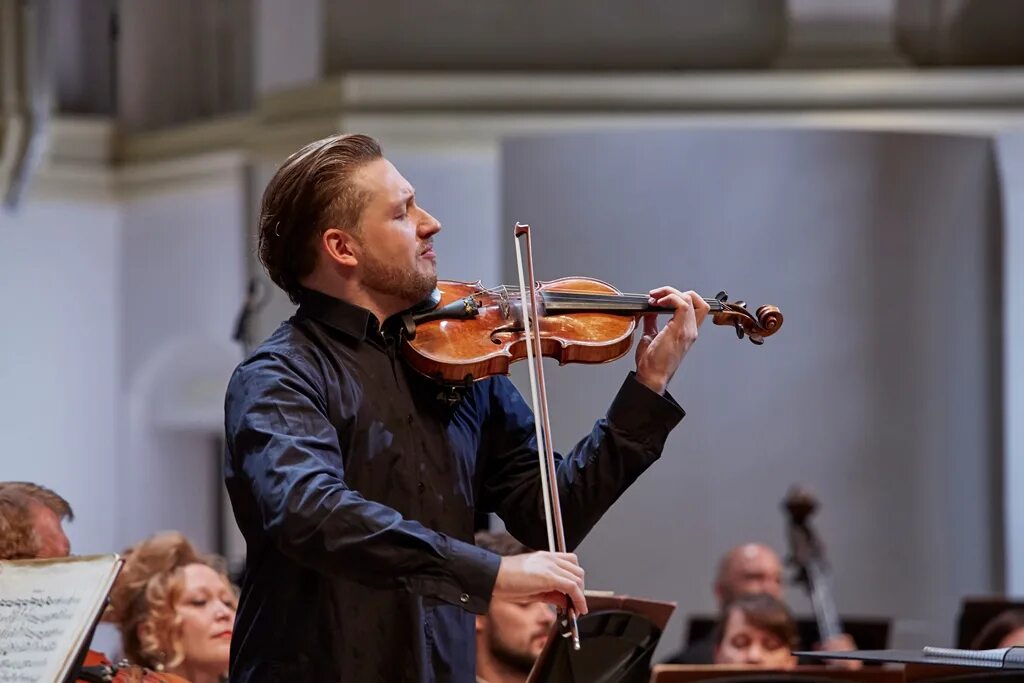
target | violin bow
x=542, y=420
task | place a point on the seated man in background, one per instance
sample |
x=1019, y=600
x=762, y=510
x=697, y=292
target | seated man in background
x=512, y=634
x=31, y=519
x=756, y=630
x=748, y=569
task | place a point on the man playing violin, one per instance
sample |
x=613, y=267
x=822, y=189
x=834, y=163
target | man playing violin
x=356, y=488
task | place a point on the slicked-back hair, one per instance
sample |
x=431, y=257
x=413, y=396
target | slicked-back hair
x=311, y=192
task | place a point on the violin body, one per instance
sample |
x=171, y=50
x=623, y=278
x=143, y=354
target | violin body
x=460, y=350
x=96, y=668
x=470, y=332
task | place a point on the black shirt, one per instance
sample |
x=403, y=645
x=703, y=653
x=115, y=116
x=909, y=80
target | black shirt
x=355, y=489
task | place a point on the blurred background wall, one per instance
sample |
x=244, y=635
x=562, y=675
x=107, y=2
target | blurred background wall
x=856, y=162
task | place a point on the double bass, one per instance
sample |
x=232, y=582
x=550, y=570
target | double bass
x=808, y=556
x=466, y=332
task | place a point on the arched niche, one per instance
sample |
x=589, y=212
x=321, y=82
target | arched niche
x=173, y=445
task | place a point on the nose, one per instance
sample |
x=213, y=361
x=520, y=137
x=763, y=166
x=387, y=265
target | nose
x=755, y=655
x=224, y=611
x=428, y=226
x=545, y=615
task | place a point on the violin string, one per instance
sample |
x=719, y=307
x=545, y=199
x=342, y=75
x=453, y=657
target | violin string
x=611, y=300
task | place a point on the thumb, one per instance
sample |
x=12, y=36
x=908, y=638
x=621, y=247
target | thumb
x=650, y=325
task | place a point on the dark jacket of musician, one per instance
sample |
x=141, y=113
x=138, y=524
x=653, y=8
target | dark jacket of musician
x=356, y=488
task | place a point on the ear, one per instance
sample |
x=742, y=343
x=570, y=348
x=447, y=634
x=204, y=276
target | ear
x=340, y=247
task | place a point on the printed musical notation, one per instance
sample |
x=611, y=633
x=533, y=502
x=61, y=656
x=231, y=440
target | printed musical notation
x=46, y=611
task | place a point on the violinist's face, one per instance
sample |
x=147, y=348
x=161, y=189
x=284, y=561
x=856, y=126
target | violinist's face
x=206, y=610
x=514, y=633
x=744, y=643
x=394, y=239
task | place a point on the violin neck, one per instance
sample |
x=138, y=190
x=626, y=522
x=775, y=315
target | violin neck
x=562, y=303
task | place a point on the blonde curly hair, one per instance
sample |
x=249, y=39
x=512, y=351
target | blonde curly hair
x=143, y=599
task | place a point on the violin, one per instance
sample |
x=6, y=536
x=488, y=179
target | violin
x=96, y=668
x=466, y=332
x=808, y=556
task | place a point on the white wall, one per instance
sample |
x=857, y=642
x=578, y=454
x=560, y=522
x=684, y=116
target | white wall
x=183, y=278
x=1011, y=161
x=60, y=355
x=881, y=391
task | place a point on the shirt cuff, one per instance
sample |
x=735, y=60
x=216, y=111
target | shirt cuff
x=473, y=572
x=645, y=415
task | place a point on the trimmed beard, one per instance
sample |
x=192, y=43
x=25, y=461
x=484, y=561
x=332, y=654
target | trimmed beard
x=409, y=285
x=516, y=660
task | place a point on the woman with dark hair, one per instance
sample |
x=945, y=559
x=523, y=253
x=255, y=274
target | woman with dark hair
x=175, y=609
x=1006, y=630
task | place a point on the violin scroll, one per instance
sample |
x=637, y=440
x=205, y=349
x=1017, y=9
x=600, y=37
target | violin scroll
x=764, y=322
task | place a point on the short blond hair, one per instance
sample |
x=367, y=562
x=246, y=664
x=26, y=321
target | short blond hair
x=142, y=602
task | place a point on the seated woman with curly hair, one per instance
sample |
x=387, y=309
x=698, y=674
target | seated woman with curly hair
x=175, y=609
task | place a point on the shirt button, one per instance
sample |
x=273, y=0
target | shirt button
x=463, y=598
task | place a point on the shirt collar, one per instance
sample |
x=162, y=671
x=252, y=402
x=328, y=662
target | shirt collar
x=355, y=321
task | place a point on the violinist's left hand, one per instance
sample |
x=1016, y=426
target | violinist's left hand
x=659, y=352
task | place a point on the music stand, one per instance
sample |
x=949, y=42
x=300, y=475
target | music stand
x=934, y=668
x=689, y=673
x=618, y=637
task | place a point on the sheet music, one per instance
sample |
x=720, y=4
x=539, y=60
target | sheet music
x=996, y=655
x=47, y=608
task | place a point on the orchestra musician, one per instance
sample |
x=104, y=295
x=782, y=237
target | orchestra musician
x=748, y=569
x=31, y=522
x=175, y=609
x=31, y=517
x=510, y=637
x=756, y=630
x=356, y=488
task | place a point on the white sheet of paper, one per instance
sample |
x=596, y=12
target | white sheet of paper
x=47, y=608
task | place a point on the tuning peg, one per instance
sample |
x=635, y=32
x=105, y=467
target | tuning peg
x=741, y=304
x=757, y=339
x=722, y=296
x=739, y=329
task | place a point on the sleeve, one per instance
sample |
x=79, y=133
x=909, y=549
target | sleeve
x=591, y=477
x=283, y=452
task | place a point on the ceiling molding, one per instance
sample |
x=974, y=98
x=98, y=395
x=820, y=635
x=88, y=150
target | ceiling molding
x=431, y=110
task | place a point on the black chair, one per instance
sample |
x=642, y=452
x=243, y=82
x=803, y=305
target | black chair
x=975, y=613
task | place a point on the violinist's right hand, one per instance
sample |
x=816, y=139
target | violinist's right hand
x=541, y=577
